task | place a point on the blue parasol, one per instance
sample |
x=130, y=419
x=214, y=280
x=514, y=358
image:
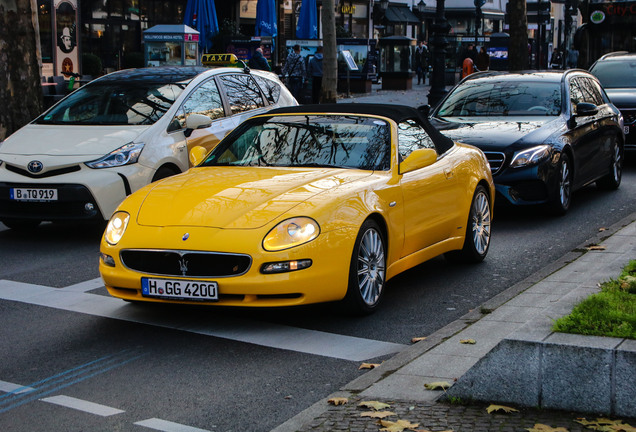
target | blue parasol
x=307, y=27
x=201, y=15
x=266, y=18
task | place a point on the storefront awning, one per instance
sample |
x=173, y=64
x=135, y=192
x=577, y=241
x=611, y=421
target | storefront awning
x=400, y=15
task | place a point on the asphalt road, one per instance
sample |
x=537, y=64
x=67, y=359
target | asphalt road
x=94, y=363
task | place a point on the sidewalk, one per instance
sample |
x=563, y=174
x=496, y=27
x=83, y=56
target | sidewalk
x=525, y=310
x=415, y=97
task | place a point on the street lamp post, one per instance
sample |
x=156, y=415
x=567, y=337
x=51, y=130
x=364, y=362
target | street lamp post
x=438, y=48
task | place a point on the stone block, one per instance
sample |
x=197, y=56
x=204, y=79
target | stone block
x=624, y=380
x=576, y=377
x=509, y=373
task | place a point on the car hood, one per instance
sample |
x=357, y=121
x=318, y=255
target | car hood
x=236, y=197
x=622, y=97
x=73, y=141
x=496, y=134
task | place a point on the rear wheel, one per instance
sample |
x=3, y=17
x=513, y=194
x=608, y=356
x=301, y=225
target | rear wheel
x=21, y=224
x=562, y=194
x=613, y=180
x=477, y=241
x=367, y=270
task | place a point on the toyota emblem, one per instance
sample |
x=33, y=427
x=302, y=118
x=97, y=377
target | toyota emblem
x=35, y=166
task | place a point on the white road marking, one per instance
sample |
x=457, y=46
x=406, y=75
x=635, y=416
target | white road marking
x=82, y=405
x=8, y=387
x=314, y=342
x=166, y=426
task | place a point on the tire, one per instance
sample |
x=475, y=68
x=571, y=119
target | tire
x=162, y=173
x=562, y=193
x=367, y=271
x=478, y=230
x=613, y=180
x=21, y=224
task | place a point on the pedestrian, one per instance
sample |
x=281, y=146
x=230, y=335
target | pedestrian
x=314, y=72
x=258, y=60
x=294, y=71
x=483, y=60
x=573, y=57
x=420, y=62
x=556, y=60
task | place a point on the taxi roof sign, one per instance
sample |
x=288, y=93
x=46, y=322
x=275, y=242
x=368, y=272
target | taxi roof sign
x=218, y=59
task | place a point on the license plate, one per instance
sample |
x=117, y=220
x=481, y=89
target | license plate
x=626, y=129
x=179, y=289
x=32, y=194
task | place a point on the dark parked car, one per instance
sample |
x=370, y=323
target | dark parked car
x=545, y=134
x=617, y=73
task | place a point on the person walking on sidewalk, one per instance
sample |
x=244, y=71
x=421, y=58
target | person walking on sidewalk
x=294, y=71
x=314, y=72
x=483, y=60
x=420, y=60
x=258, y=60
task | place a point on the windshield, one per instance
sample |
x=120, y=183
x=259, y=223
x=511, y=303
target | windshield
x=343, y=141
x=615, y=74
x=115, y=103
x=503, y=98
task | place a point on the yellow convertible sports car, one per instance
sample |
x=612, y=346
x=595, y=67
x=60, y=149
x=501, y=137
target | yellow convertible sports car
x=304, y=204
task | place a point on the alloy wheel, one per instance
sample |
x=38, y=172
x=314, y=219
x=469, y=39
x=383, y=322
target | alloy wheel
x=371, y=266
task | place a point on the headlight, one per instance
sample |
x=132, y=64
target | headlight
x=127, y=154
x=291, y=232
x=116, y=227
x=530, y=156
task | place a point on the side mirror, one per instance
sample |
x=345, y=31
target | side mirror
x=586, y=109
x=196, y=121
x=197, y=155
x=426, y=109
x=419, y=158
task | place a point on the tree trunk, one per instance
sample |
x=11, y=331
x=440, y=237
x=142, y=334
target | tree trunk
x=20, y=88
x=329, y=93
x=518, y=50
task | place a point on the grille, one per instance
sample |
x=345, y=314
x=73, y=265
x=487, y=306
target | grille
x=185, y=263
x=51, y=173
x=496, y=161
x=629, y=116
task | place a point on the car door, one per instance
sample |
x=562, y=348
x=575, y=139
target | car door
x=431, y=194
x=206, y=100
x=243, y=96
x=586, y=134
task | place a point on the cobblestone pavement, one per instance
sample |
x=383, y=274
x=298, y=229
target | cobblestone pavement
x=444, y=416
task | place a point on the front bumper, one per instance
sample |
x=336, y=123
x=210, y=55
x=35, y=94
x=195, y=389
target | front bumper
x=326, y=280
x=527, y=185
x=85, y=194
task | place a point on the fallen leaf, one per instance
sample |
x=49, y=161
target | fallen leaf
x=602, y=229
x=338, y=401
x=545, y=428
x=596, y=248
x=369, y=365
x=468, y=341
x=377, y=414
x=397, y=426
x=606, y=425
x=503, y=408
x=418, y=339
x=438, y=385
x=374, y=405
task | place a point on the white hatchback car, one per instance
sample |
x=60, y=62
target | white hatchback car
x=83, y=156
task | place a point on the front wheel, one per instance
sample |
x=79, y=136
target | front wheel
x=613, y=179
x=562, y=194
x=477, y=241
x=367, y=270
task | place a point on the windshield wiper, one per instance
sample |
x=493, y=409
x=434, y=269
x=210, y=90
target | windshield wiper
x=318, y=165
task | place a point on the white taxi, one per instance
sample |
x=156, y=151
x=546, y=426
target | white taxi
x=81, y=158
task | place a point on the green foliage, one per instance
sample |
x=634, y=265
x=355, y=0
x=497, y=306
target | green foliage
x=612, y=312
x=91, y=65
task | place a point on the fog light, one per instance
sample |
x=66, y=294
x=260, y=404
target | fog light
x=285, y=266
x=89, y=207
x=107, y=260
